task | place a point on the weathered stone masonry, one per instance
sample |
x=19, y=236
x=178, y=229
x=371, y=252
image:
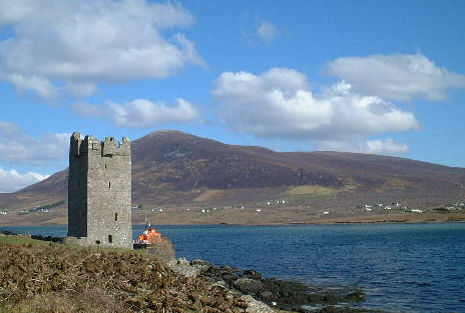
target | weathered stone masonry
x=99, y=192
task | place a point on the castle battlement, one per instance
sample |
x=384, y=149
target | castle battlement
x=108, y=147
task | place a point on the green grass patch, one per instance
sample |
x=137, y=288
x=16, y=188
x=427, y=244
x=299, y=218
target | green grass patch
x=42, y=208
x=309, y=192
x=20, y=240
x=315, y=190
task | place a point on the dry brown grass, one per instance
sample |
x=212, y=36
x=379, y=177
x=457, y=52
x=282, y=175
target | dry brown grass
x=393, y=184
x=58, y=278
x=92, y=301
x=209, y=196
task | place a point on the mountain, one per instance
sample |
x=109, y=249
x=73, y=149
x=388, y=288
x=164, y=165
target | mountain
x=175, y=168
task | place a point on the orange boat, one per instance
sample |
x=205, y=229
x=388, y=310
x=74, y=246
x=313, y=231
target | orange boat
x=149, y=237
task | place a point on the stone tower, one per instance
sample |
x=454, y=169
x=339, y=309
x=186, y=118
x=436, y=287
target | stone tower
x=99, y=192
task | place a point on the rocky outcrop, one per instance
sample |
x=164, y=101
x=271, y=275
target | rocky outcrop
x=199, y=267
x=263, y=294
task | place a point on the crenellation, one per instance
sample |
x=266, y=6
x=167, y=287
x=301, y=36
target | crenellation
x=75, y=144
x=109, y=146
x=112, y=147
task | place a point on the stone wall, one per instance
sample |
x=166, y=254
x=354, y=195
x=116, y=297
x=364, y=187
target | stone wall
x=99, y=192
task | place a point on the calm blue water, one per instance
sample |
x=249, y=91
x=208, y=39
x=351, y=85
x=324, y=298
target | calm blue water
x=402, y=268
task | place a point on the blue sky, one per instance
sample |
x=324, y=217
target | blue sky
x=385, y=77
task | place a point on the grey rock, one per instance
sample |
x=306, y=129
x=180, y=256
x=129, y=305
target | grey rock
x=248, y=286
x=256, y=306
x=183, y=267
x=251, y=274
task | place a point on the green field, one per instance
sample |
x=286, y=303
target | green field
x=22, y=240
x=309, y=192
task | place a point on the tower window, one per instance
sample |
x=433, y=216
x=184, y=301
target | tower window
x=109, y=185
x=110, y=238
x=116, y=217
x=105, y=166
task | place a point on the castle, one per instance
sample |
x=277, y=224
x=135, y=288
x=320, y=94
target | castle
x=99, y=192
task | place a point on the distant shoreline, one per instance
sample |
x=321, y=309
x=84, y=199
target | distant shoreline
x=361, y=222
x=257, y=216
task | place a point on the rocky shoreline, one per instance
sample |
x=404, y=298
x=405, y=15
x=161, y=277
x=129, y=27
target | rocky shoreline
x=272, y=294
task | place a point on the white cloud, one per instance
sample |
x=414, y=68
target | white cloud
x=11, y=181
x=280, y=104
x=141, y=113
x=267, y=31
x=43, y=87
x=398, y=77
x=17, y=146
x=388, y=146
x=81, y=89
x=72, y=45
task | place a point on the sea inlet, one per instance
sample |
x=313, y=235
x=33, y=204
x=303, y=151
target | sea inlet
x=400, y=267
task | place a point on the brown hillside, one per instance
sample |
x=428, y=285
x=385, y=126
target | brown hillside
x=171, y=167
